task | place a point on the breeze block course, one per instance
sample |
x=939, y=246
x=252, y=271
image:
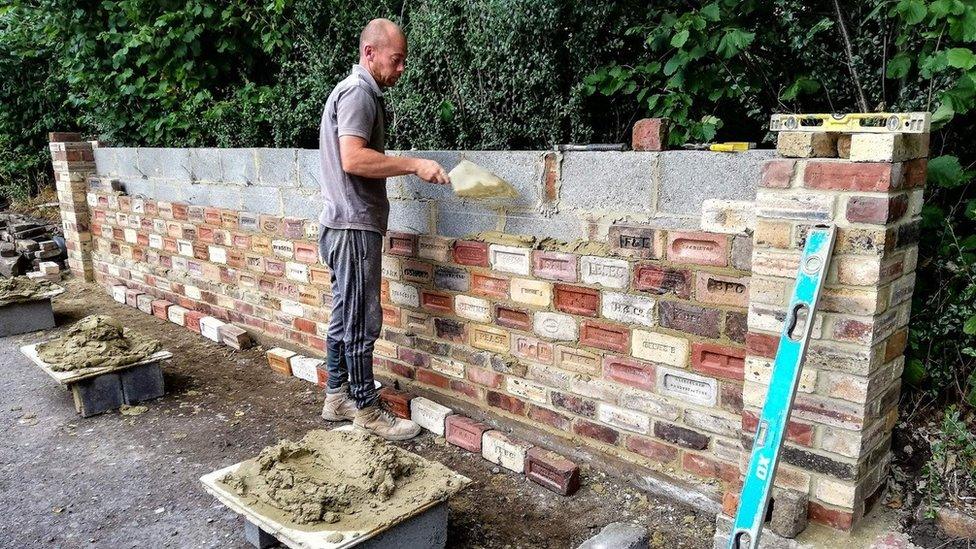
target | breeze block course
x=631, y=340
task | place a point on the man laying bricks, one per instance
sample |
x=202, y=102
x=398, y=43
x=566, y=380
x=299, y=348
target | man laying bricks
x=353, y=222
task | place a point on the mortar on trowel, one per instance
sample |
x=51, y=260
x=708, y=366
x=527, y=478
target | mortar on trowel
x=470, y=180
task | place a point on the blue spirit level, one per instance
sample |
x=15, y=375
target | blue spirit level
x=782, y=388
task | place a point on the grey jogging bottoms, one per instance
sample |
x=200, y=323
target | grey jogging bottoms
x=354, y=256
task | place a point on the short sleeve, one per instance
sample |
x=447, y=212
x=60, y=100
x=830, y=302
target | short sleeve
x=355, y=113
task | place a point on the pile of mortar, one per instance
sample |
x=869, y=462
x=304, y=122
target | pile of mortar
x=96, y=341
x=21, y=288
x=333, y=480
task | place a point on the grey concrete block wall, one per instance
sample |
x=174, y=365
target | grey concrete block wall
x=664, y=189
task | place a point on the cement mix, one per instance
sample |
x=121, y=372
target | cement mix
x=581, y=247
x=470, y=180
x=21, y=288
x=93, y=342
x=332, y=480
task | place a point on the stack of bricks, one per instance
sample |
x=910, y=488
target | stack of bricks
x=74, y=164
x=870, y=186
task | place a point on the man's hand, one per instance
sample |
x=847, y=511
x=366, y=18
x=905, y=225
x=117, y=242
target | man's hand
x=431, y=171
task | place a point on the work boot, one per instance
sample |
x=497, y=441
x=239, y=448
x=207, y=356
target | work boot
x=383, y=423
x=339, y=406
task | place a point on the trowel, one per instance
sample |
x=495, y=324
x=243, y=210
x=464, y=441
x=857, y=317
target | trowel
x=470, y=180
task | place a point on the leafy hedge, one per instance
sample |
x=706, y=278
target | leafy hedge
x=517, y=74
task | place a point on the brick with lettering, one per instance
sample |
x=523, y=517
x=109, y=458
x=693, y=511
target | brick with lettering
x=510, y=317
x=306, y=252
x=390, y=268
x=532, y=349
x=417, y=271
x=492, y=286
x=636, y=241
x=555, y=326
x=629, y=420
x=217, y=254
x=437, y=302
x=686, y=386
x=577, y=360
x=577, y=299
x=293, y=227
x=469, y=252
x=436, y=248
x=527, y=390
x=450, y=330
x=228, y=219
x=506, y=451
x=447, y=366
x=606, y=336
x=472, y=308
x=658, y=347
x=631, y=309
x=689, y=318
x=721, y=289
x=451, y=278
x=552, y=471
x=510, y=259
x=629, y=372
x=612, y=273
x=718, y=361
x=177, y=314
x=144, y=303
x=489, y=338
x=296, y=271
x=404, y=294
x=210, y=328
x=699, y=248
x=403, y=244
x=662, y=280
x=429, y=414
x=464, y=432
x=554, y=265
x=536, y=293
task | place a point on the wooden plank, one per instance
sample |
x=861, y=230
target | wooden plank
x=67, y=378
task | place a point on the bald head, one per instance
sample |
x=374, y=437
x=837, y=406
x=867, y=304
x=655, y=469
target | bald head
x=383, y=51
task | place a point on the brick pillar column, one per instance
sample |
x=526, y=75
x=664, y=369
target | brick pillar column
x=74, y=163
x=870, y=186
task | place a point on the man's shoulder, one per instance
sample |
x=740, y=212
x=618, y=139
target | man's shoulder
x=352, y=85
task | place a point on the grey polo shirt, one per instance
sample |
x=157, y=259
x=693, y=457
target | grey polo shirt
x=355, y=107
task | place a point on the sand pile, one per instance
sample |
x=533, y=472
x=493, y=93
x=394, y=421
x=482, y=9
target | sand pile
x=338, y=481
x=21, y=288
x=95, y=341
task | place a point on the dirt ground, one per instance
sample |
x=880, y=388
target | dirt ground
x=132, y=481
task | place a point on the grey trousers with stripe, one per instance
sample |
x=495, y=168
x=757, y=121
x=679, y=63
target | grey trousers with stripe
x=354, y=257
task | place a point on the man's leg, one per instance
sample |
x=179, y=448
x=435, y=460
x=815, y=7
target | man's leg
x=335, y=357
x=362, y=314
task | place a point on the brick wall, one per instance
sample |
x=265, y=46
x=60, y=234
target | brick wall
x=631, y=340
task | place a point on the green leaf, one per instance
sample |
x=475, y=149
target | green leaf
x=801, y=85
x=971, y=210
x=914, y=372
x=946, y=171
x=446, y=110
x=710, y=12
x=899, y=65
x=680, y=38
x=943, y=114
x=961, y=58
x=969, y=328
x=914, y=11
x=733, y=42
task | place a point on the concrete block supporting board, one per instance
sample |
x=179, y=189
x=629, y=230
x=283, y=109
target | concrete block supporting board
x=99, y=394
x=142, y=383
x=26, y=316
x=429, y=414
x=500, y=449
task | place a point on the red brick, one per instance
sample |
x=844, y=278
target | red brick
x=437, y=302
x=577, y=300
x=64, y=137
x=305, y=252
x=532, y=349
x=878, y=211
x=398, y=368
x=505, y=402
x=718, y=361
x=852, y=176
x=736, y=326
x=270, y=224
x=448, y=329
x=492, y=286
x=234, y=337
x=762, y=344
x=550, y=177
x=404, y=244
x=181, y=211
x=595, y=431
x=464, y=432
x=662, y=280
x=293, y=227
x=575, y=404
x=730, y=502
x=690, y=318
x=466, y=389
x=710, y=468
x=469, y=252
x=396, y=401
x=481, y=376
x=304, y=325
x=549, y=417
x=391, y=316
x=510, y=317
x=914, y=173
x=552, y=471
x=554, y=265
x=413, y=357
x=602, y=335
x=629, y=372
x=132, y=297
x=652, y=449
x=417, y=271
x=650, y=134
x=429, y=377
x=778, y=174
x=160, y=308
x=699, y=248
x=680, y=436
x=192, y=320
x=841, y=520
x=800, y=433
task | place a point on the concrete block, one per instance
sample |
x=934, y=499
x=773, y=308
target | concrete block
x=105, y=161
x=688, y=178
x=139, y=187
x=564, y=226
x=429, y=414
x=127, y=163
x=142, y=383
x=97, y=394
x=227, y=197
x=428, y=530
x=789, y=515
x=165, y=163
x=237, y=166
x=301, y=203
x=309, y=169
x=457, y=219
x=26, y=316
x=618, y=535
x=609, y=181
x=257, y=537
x=259, y=200
x=409, y=216
x=205, y=165
x=277, y=167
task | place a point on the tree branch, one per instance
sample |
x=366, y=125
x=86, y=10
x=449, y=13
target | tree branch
x=862, y=101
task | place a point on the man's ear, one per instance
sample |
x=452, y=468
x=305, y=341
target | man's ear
x=368, y=51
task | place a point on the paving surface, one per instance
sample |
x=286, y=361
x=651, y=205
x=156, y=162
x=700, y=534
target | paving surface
x=131, y=481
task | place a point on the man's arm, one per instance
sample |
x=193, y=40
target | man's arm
x=358, y=159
